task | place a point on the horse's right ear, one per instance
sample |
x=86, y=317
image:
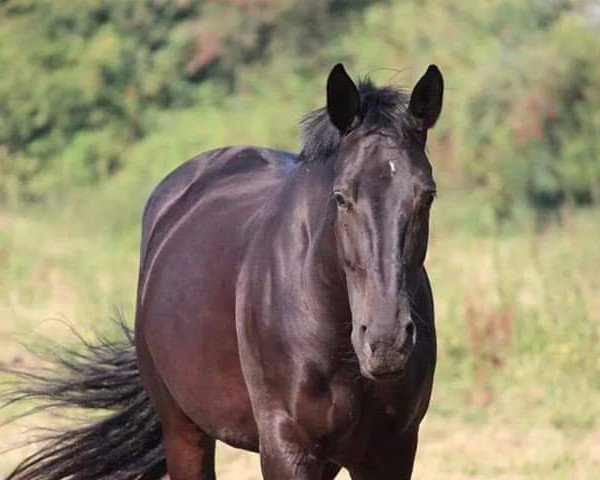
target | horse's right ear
x=343, y=99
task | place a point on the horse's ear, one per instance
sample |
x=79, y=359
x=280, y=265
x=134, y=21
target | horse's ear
x=343, y=99
x=426, y=98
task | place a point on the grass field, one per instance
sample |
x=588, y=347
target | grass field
x=517, y=392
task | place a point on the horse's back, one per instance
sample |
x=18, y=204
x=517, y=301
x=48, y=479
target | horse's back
x=196, y=226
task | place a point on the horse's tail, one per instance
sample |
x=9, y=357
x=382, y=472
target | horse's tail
x=124, y=443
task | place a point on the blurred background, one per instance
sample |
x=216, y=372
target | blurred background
x=99, y=99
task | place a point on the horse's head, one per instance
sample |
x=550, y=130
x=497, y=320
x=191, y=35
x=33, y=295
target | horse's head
x=382, y=192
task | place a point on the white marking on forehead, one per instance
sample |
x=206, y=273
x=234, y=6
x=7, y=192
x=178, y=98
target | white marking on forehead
x=392, y=167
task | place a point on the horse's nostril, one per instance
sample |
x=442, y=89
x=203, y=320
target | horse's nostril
x=363, y=329
x=410, y=330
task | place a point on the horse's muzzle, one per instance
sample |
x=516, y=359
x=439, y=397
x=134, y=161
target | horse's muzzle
x=386, y=358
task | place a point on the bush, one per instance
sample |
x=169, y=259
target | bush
x=83, y=83
x=74, y=71
x=528, y=128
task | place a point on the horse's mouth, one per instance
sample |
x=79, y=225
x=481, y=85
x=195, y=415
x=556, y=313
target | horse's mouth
x=384, y=376
x=389, y=376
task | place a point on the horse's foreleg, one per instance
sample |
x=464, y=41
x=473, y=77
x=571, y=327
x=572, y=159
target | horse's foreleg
x=391, y=458
x=284, y=465
x=301, y=467
x=330, y=471
x=286, y=452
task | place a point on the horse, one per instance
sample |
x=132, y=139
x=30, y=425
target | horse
x=283, y=307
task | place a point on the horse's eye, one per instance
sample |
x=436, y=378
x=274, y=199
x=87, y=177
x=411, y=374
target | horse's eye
x=340, y=199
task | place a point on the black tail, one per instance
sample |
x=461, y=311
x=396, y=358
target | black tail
x=124, y=444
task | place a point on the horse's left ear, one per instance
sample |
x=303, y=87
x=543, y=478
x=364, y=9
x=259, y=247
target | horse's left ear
x=426, y=98
x=343, y=99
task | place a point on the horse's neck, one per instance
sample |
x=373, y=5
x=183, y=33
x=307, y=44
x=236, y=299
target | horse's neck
x=306, y=261
x=324, y=275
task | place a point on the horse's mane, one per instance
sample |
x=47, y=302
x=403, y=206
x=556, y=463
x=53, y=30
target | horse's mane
x=382, y=108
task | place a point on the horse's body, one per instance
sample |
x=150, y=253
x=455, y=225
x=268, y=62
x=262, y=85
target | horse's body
x=247, y=208
x=206, y=210
x=283, y=307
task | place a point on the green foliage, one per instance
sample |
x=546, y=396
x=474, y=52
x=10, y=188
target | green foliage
x=76, y=70
x=529, y=126
x=86, y=85
x=81, y=80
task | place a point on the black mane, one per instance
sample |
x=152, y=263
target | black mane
x=382, y=108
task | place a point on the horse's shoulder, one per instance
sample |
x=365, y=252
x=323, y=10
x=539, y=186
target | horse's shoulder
x=212, y=166
x=178, y=191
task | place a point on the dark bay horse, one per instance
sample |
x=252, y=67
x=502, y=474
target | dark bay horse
x=283, y=307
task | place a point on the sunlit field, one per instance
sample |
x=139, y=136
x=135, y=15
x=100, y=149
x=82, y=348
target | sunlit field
x=517, y=392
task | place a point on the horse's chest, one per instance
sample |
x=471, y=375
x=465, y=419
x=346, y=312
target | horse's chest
x=346, y=415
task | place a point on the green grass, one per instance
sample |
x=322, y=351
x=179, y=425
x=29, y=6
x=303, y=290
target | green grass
x=517, y=390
